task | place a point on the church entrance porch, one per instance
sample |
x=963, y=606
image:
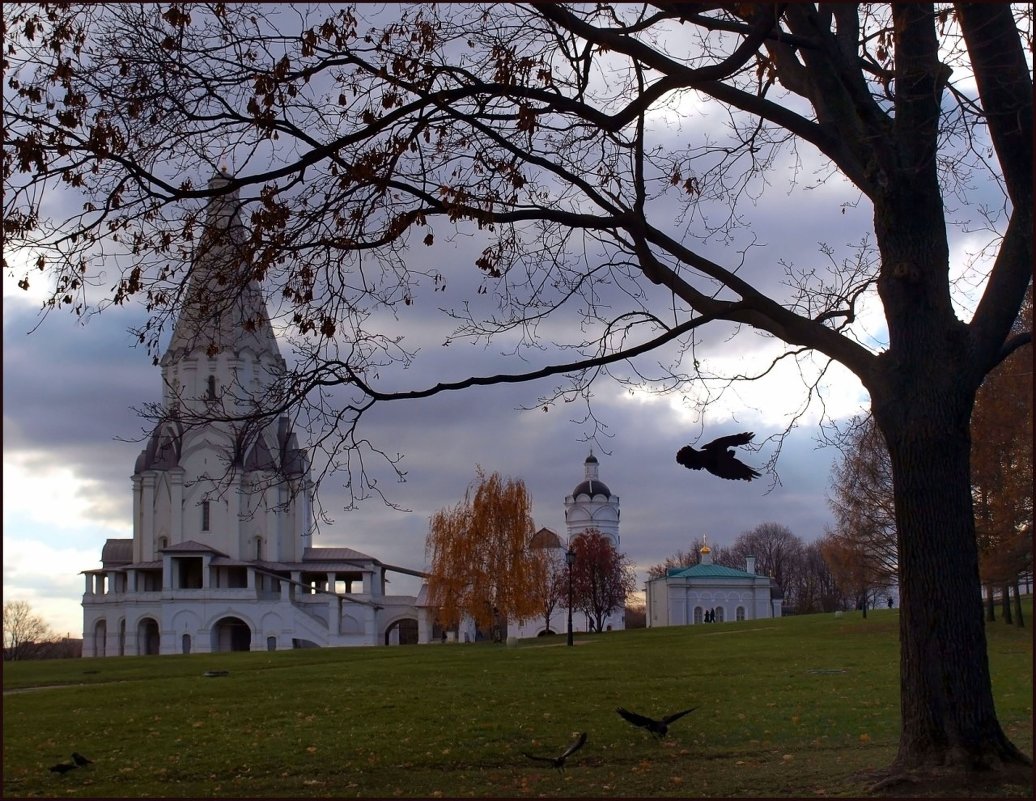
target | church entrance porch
x=402, y=632
x=231, y=634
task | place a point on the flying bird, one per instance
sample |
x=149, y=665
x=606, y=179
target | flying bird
x=656, y=727
x=559, y=761
x=81, y=760
x=62, y=767
x=718, y=458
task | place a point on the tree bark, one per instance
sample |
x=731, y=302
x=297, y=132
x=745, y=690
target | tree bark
x=1006, y=601
x=1018, y=607
x=946, y=699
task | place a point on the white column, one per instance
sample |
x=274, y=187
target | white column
x=176, y=508
x=140, y=550
x=147, y=507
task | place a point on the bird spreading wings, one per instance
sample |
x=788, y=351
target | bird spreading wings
x=718, y=458
x=659, y=728
x=559, y=761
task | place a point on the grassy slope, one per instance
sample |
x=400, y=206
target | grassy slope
x=791, y=708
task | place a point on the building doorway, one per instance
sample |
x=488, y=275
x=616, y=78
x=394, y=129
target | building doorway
x=231, y=634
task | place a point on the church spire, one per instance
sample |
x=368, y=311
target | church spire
x=590, y=467
x=224, y=309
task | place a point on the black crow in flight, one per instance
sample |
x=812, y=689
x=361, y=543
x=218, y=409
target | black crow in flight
x=559, y=761
x=718, y=459
x=656, y=727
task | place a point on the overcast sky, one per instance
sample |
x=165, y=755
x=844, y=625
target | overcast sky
x=71, y=436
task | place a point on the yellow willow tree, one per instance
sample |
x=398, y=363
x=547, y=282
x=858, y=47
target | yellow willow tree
x=481, y=564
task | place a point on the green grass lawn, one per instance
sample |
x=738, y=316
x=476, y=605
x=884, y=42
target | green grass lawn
x=789, y=708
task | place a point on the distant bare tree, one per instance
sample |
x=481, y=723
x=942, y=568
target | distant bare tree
x=776, y=549
x=24, y=631
x=863, y=504
x=551, y=583
x=815, y=588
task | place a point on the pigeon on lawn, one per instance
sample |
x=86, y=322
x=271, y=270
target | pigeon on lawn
x=718, y=458
x=656, y=727
x=559, y=761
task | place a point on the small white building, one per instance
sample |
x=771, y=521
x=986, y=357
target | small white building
x=692, y=595
x=221, y=557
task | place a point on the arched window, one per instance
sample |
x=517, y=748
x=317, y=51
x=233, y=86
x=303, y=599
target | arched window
x=740, y=613
x=205, y=516
x=211, y=393
x=698, y=614
x=163, y=542
x=258, y=547
x=720, y=614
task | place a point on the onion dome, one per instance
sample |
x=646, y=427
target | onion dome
x=591, y=485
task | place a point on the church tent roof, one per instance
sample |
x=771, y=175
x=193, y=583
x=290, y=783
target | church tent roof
x=224, y=308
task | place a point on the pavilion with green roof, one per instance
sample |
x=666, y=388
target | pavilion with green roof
x=707, y=592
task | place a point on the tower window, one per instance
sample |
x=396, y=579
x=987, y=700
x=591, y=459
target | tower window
x=204, y=515
x=211, y=395
x=258, y=547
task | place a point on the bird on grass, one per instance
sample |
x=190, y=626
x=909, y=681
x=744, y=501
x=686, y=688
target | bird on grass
x=62, y=767
x=81, y=760
x=718, y=458
x=559, y=761
x=659, y=728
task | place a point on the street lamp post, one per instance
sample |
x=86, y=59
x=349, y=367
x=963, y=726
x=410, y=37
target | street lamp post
x=570, y=559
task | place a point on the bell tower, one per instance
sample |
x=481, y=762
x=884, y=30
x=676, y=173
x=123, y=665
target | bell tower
x=592, y=505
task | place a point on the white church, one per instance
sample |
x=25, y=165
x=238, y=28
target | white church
x=707, y=592
x=221, y=556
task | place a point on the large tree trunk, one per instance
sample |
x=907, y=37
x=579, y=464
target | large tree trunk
x=1018, y=607
x=946, y=699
